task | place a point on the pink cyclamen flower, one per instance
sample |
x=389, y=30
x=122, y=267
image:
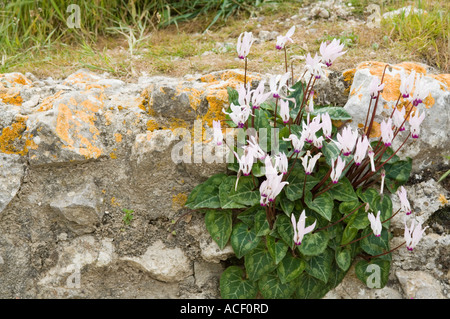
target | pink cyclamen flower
x=309, y=162
x=258, y=95
x=421, y=91
x=299, y=228
x=239, y=114
x=314, y=66
x=404, y=202
x=347, y=141
x=415, y=122
x=336, y=170
x=244, y=43
x=331, y=51
x=375, y=87
x=282, y=40
x=297, y=143
x=398, y=118
x=284, y=111
x=407, y=84
x=270, y=188
x=218, y=135
x=375, y=223
x=413, y=235
x=326, y=125
x=387, y=134
x=361, y=149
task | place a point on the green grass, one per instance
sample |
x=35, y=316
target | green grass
x=427, y=35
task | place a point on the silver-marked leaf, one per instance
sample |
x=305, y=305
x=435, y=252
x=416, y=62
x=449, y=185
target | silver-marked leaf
x=259, y=262
x=243, y=240
x=233, y=285
x=290, y=268
x=219, y=225
x=206, y=195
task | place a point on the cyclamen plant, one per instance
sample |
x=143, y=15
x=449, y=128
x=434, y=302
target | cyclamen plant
x=304, y=197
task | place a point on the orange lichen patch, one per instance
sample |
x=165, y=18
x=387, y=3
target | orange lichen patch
x=47, y=103
x=12, y=96
x=152, y=125
x=118, y=137
x=208, y=78
x=337, y=123
x=360, y=96
x=429, y=101
x=376, y=68
x=442, y=199
x=9, y=135
x=113, y=155
x=410, y=66
x=81, y=77
x=444, y=78
x=375, y=131
x=114, y=202
x=145, y=101
x=391, y=90
x=216, y=104
x=348, y=75
x=179, y=200
x=15, y=78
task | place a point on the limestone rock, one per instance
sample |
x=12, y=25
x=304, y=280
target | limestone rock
x=419, y=285
x=163, y=263
x=11, y=174
x=433, y=139
x=81, y=208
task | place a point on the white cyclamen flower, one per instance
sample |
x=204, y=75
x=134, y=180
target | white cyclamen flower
x=255, y=148
x=387, y=134
x=277, y=82
x=310, y=130
x=331, y=51
x=239, y=114
x=309, y=162
x=407, y=84
x=284, y=111
x=415, y=122
x=297, y=143
x=413, y=235
x=404, y=202
x=398, y=118
x=361, y=149
x=282, y=40
x=336, y=170
x=270, y=188
x=346, y=141
x=245, y=161
x=244, y=43
x=218, y=135
x=326, y=124
x=375, y=223
x=281, y=163
x=314, y=66
x=421, y=91
x=258, y=95
x=299, y=227
x=375, y=87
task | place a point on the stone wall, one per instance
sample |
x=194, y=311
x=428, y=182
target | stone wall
x=77, y=154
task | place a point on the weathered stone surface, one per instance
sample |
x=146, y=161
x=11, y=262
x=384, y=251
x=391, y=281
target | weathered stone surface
x=81, y=208
x=433, y=139
x=419, y=285
x=163, y=263
x=11, y=174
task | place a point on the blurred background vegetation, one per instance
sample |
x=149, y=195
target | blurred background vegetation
x=34, y=33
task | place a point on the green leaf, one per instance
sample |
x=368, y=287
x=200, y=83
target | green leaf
x=323, y=204
x=206, y=195
x=343, y=190
x=262, y=227
x=344, y=258
x=233, y=96
x=375, y=274
x=243, y=240
x=310, y=287
x=287, y=205
x=385, y=208
x=219, y=225
x=296, y=180
x=376, y=245
x=284, y=228
x=259, y=262
x=320, y=266
x=248, y=216
x=349, y=234
x=272, y=288
x=234, y=286
x=290, y=268
x=330, y=151
x=314, y=244
x=335, y=112
x=262, y=120
x=397, y=174
x=370, y=196
x=277, y=248
x=358, y=219
x=244, y=195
